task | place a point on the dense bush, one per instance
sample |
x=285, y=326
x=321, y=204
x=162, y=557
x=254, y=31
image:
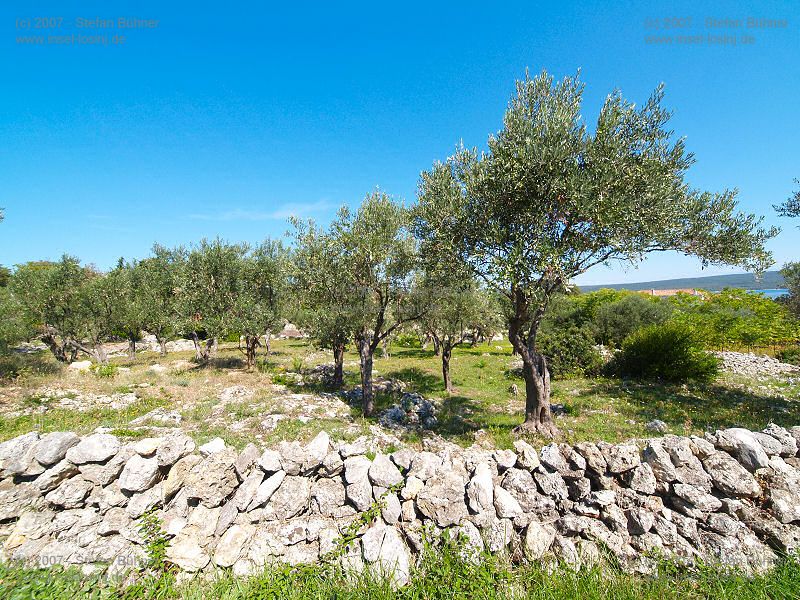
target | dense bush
x=570, y=352
x=736, y=319
x=789, y=355
x=617, y=320
x=669, y=352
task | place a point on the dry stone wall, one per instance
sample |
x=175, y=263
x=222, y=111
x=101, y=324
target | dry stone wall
x=732, y=497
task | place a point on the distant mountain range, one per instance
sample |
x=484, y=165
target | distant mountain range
x=713, y=283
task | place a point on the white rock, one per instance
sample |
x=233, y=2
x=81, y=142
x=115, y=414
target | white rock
x=139, y=474
x=267, y=489
x=80, y=365
x=97, y=447
x=212, y=447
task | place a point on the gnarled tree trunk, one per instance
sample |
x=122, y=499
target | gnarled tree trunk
x=202, y=352
x=131, y=348
x=59, y=350
x=447, y=350
x=538, y=417
x=365, y=352
x=162, y=345
x=338, y=366
x=251, y=343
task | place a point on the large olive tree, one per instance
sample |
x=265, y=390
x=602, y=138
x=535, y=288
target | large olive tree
x=551, y=198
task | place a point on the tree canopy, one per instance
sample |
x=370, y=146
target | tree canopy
x=551, y=199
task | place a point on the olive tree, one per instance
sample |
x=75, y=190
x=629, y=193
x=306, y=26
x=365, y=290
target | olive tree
x=260, y=296
x=452, y=310
x=13, y=327
x=155, y=280
x=551, y=198
x=320, y=288
x=208, y=291
x=378, y=257
x=49, y=295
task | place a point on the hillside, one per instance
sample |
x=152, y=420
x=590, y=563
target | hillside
x=713, y=283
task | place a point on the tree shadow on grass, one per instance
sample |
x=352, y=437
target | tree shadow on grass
x=14, y=364
x=699, y=406
x=418, y=380
x=404, y=352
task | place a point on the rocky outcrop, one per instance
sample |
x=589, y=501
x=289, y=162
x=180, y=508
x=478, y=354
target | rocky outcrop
x=754, y=365
x=730, y=498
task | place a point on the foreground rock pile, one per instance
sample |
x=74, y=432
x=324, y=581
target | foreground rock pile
x=755, y=365
x=731, y=498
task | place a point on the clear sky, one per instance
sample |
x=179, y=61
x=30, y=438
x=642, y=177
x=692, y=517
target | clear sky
x=224, y=118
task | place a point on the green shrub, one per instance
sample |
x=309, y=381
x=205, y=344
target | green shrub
x=789, y=355
x=104, y=371
x=669, y=352
x=617, y=320
x=570, y=352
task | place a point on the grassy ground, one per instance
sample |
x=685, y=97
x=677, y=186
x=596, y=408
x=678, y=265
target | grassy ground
x=441, y=574
x=482, y=407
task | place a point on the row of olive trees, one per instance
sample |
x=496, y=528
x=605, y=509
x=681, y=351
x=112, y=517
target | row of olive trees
x=548, y=200
x=359, y=282
x=213, y=289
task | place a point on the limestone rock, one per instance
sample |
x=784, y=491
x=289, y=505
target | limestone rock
x=505, y=459
x=147, y=446
x=213, y=479
x=52, y=448
x=538, y=539
x=730, y=477
x=327, y=496
x=139, y=474
x=212, y=447
x=383, y=547
x=621, y=458
x=53, y=476
x=316, y=451
x=230, y=545
x=291, y=498
x=266, y=489
x=506, y=505
x=424, y=465
x=270, y=461
x=173, y=447
x=179, y=473
x=480, y=489
x=246, y=459
x=186, y=552
x=293, y=456
x=527, y=457
x=71, y=493
x=442, y=500
x=659, y=461
x=744, y=446
x=97, y=447
x=382, y=472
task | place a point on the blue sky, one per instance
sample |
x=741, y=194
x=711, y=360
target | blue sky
x=225, y=120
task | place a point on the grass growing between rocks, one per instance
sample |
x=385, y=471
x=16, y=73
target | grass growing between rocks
x=441, y=574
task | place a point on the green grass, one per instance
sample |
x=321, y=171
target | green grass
x=592, y=409
x=441, y=574
x=67, y=419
